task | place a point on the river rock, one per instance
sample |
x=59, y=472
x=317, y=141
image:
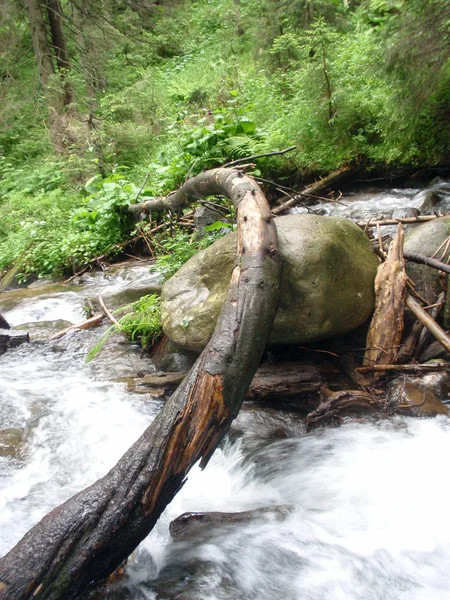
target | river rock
x=10, y=441
x=326, y=289
x=414, y=399
x=426, y=239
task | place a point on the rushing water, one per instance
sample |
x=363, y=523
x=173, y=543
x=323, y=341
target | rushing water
x=366, y=501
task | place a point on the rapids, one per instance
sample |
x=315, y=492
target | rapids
x=367, y=499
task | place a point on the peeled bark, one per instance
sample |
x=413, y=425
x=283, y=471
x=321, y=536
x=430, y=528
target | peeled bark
x=386, y=328
x=85, y=539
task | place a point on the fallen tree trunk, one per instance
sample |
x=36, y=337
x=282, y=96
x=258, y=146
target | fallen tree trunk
x=310, y=190
x=85, y=539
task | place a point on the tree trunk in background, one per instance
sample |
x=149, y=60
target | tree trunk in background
x=85, y=539
x=42, y=51
x=55, y=19
x=46, y=71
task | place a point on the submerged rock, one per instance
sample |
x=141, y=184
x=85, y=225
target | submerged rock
x=418, y=400
x=326, y=289
x=10, y=441
x=201, y=523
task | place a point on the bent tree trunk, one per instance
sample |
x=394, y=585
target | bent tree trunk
x=85, y=539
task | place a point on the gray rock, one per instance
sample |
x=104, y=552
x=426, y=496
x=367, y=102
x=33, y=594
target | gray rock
x=204, y=216
x=404, y=212
x=326, y=289
x=426, y=239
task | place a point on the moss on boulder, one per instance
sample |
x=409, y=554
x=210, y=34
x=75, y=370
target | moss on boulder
x=327, y=282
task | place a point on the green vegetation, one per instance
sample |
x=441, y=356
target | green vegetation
x=136, y=90
x=141, y=323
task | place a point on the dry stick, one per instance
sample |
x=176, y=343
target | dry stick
x=426, y=260
x=110, y=316
x=405, y=221
x=87, y=324
x=249, y=158
x=435, y=309
x=411, y=368
x=443, y=246
x=142, y=186
x=314, y=187
x=436, y=330
x=85, y=539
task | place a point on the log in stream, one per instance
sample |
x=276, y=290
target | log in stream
x=81, y=542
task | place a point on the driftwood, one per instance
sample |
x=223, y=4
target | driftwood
x=436, y=330
x=426, y=260
x=87, y=324
x=404, y=221
x=85, y=539
x=416, y=369
x=386, y=328
x=271, y=383
x=337, y=404
x=310, y=190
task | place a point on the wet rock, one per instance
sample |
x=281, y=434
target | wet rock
x=431, y=199
x=205, y=216
x=404, y=212
x=435, y=350
x=192, y=523
x=168, y=357
x=10, y=339
x=43, y=330
x=415, y=399
x=326, y=290
x=4, y=323
x=425, y=239
x=10, y=442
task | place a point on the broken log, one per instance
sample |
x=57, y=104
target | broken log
x=271, y=383
x=85, y=539
x=386, y=327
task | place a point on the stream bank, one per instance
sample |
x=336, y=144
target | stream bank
x=349, y=526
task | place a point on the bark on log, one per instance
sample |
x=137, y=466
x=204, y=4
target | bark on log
x=85, y=539
x=386, y=328
x=271, y=383
x=426, y=260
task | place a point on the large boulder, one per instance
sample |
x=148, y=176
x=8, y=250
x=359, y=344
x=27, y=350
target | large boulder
x=425, y=239
x=327, y=286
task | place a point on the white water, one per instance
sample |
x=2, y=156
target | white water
x=368, y=500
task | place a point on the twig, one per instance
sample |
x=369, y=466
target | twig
x=436, y=330
x=406, y=220
x=411, y=368
x=310, y=190
x=110, y=316
x=142, y=186
x=444, y=245
x=249, y=158
x=88, y=323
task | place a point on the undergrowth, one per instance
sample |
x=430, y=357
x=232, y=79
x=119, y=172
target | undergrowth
x=141, y=323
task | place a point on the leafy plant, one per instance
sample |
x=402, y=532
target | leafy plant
x=141, y=323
